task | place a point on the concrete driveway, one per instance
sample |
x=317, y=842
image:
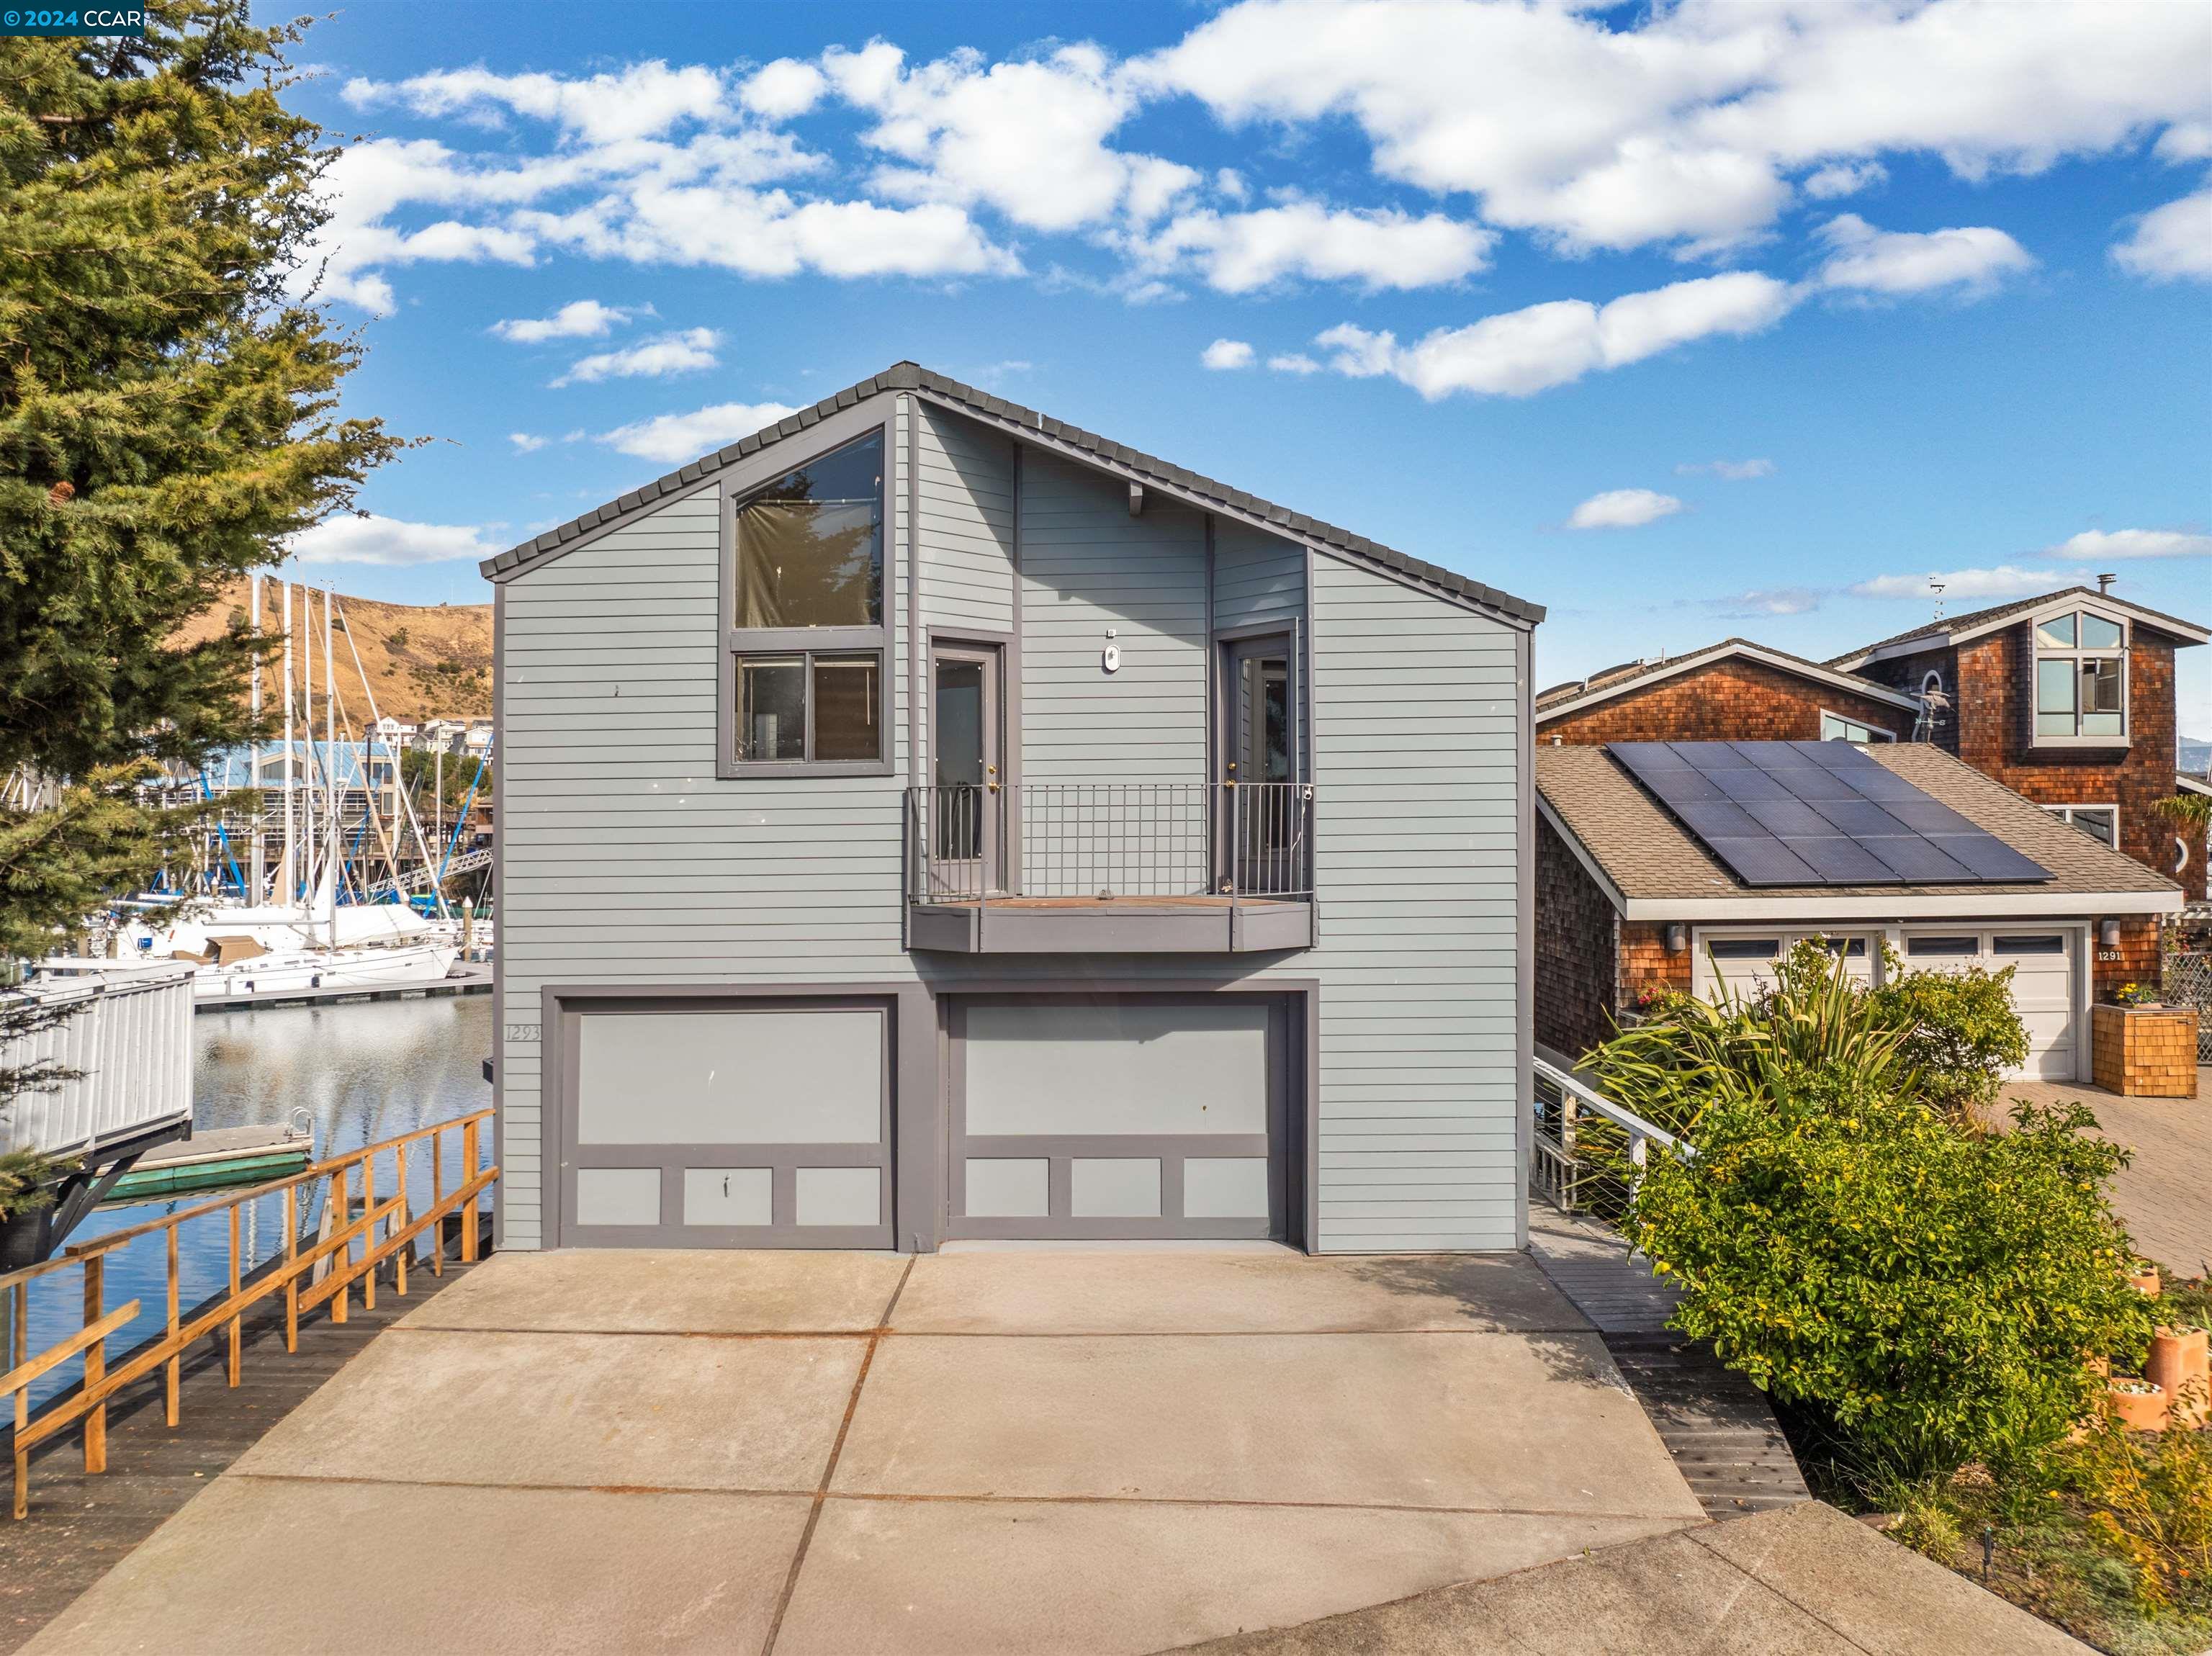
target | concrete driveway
x=1105, y=1450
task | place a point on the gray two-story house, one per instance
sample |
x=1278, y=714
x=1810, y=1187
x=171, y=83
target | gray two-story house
x=926, y=820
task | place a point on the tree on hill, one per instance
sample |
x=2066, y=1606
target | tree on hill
x=168, y=412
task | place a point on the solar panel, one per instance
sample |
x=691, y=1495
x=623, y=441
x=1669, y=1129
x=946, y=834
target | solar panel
x=1818, y=813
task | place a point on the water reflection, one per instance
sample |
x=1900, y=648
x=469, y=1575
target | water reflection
x=363, y=1072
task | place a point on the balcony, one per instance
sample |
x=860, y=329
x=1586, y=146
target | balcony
x=1110, y=868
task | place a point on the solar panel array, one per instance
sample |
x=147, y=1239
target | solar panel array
x=1818, y=813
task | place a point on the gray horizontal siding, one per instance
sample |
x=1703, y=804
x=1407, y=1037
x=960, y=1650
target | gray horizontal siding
x=625, y=860
x=965, y=483
x=1416, y=857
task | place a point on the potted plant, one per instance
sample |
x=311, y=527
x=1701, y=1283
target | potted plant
x=2178, y=1362
x=2138, y=1405
x=2134, y=994
x=27, y=1206
x=2142, y=1276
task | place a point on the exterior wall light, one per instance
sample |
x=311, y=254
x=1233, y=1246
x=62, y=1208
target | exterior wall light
x=2108, y=934
x=1678, y=937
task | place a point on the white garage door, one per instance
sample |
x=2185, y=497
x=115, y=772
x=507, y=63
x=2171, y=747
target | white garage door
x=761, y=1126
x=1118, y=1116
x=1744, y=963
x=2042, y=987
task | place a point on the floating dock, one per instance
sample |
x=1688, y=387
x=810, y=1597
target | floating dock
x=474, y=978
x=211, y=1159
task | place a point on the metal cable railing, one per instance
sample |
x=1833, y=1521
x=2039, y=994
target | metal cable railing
x=969, y=844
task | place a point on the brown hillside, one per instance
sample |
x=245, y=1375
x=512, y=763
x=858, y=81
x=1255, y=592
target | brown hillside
x=422, y=661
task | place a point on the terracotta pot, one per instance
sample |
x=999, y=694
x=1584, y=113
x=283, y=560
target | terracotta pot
x=2144, y=1280
x=2178, y=1362
x=2139, y=1411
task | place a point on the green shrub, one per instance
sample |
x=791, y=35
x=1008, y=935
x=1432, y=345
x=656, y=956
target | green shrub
x=26, y=1179
x=1962, y=1035
x=1934, y=1292
x=1691, y=1054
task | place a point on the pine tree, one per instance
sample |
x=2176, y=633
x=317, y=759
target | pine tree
x=168, y=412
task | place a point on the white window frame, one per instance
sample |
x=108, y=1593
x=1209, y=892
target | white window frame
x=2065, y=814
x=1873, y=733
x=2038, y=653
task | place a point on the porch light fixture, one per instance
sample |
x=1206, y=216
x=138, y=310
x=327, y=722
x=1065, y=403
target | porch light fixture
x=2108, y=934
x=1678, y=937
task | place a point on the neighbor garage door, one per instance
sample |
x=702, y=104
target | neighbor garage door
x=2043, y=963
x=1125, y=1116
x=1744, y=963
x=754, y=1125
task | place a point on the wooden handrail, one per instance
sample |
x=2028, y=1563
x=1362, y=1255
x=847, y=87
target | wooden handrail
x=89, y=1404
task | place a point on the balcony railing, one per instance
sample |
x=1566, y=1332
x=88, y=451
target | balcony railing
x=1036, y=842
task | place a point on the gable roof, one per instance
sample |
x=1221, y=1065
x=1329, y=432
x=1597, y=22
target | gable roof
x=1957, y=630
x=1031, y=427
x=1577, y=694
x=1654, y=867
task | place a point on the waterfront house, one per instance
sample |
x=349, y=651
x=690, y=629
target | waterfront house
x=926, y=819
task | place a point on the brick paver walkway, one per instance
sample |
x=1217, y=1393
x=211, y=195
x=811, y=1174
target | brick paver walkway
x=2166, y=1194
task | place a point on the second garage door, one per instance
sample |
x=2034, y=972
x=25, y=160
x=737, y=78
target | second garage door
x=1119, y=1116
x=2042, y=987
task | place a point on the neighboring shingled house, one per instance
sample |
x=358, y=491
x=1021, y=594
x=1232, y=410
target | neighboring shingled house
x=2067, y=699
x=1631, y=901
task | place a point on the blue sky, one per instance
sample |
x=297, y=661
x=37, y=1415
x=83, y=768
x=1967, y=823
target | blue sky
x=1683, y=321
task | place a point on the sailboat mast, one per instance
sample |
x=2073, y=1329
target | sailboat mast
x=291, y=826
x=251, y=895
x=329, y=758
x=310, y=839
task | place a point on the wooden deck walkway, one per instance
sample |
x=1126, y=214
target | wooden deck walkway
x=80, y=1527
x=1716, y=1424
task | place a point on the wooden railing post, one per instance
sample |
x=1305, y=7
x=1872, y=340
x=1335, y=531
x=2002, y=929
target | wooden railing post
x=232, y=1330
x=368, y=1237
x=19, y=1339
x=469, y=1207
x=339, y=1207
x=438, y=1200
x=1567, y=1145
x=291, y=1254
x=399, y=1254
x=96, y=1363
x=172, y=1374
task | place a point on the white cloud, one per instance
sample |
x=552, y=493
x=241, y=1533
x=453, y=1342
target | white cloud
x=2190, y=141
x=1240, y=252
x=526, y=443
x=1680, y=126
x=1519, y=353
x=582, y=318
x=2099, y=545
x=1730, y=472
x=1028, y=138
x=642, y=100
x=1844, y=178
x=1624, y=508
x=1293, y=362
x=783, y=89
x=390, y=541
x=671, y=438
x=1904, y=261
x=650, y=359
x=1226, y=354
x=2171, y=242
x=2005, y=581
x=1777, y=600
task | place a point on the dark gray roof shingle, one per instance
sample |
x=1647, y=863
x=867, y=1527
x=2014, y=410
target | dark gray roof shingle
x=967, y=399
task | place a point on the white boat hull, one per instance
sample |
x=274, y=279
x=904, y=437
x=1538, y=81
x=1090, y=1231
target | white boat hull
x=273, y=977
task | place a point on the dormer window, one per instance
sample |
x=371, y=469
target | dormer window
x=2081, y=680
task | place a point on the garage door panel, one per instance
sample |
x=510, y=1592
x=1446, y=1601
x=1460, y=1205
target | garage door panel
x=728, y=1125
x=1118, y=1116
x=2042, y=988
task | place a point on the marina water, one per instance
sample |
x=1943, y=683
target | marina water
x=363, y=1072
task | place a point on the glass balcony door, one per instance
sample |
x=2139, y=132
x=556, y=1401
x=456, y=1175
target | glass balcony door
x=964, y=819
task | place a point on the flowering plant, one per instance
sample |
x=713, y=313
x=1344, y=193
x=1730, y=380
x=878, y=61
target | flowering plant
x=2134, y=994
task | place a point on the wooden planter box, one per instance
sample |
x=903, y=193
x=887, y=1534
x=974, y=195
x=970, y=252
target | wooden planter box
x=2144, y=1051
